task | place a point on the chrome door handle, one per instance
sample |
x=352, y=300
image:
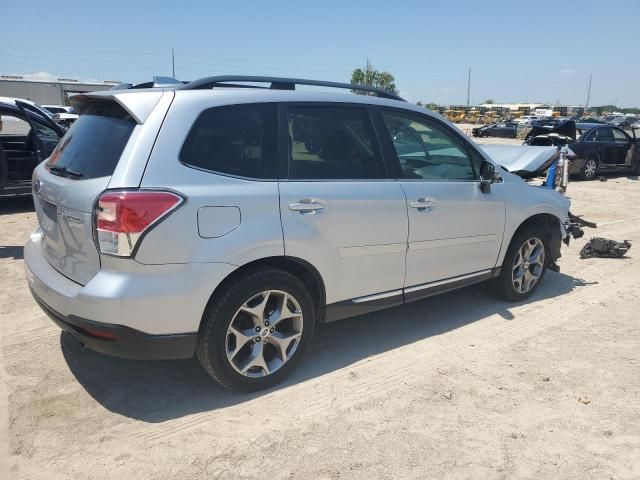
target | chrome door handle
x=423, y=204
x=307, y=206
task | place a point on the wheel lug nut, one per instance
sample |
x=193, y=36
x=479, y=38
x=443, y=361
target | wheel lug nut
x=266, y=323
x=257, y=339
x=272, y=330
x=257, y=329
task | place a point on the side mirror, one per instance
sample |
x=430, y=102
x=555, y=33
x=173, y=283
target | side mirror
x=487, y=176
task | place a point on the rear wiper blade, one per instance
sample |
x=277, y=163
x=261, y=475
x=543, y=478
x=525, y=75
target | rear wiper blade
x=58, y=170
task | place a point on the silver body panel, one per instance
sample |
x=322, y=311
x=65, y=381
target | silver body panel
x=366, y=240
x=459, y=232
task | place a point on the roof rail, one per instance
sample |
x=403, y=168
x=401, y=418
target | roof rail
x=279, y=83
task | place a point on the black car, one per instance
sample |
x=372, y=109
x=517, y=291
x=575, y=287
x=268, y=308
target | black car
x=26, y=138
x=503, y=129
x=604, y=148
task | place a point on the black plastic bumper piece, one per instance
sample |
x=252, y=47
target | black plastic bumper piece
x=122, y=341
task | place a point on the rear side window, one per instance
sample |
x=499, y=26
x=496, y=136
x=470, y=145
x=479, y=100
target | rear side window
x=92, y=146
x=237, y=140
x=332, y=143
x=620, y=137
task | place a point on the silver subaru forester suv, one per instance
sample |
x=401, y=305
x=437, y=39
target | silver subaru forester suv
x=226, y=219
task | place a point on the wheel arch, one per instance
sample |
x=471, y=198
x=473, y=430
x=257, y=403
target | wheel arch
x=301, y=269
x=549, y=223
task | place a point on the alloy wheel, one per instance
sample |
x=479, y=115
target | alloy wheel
x=590, y=168
x=528, y=265
x=264, y=333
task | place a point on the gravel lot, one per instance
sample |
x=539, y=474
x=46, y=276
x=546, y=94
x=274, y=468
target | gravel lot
x=456, y=386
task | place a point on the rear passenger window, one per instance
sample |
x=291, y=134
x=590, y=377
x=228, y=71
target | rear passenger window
x=332, y=143
x=236, y=140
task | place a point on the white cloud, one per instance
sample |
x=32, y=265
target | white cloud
x=567, y=72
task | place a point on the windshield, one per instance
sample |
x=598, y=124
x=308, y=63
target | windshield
x=92, y=146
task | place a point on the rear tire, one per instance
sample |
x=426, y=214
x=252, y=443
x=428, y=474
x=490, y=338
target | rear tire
x=524, y=265
x=233, y=336
x=590, y=168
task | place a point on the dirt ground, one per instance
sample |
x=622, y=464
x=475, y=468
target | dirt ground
x=457, y=386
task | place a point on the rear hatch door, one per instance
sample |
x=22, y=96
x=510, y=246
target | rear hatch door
x=67, y=185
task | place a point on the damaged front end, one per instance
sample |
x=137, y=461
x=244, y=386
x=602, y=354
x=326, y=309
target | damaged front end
x=552, y=164
x=524, y=161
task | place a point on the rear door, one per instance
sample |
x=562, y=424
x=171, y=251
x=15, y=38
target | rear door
x=454, y=228
x=67, y=185
x=606, y=145
x=339, y=210
x=622, y=145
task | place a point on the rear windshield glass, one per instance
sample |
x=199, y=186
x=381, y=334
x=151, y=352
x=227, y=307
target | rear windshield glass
x=92, y=146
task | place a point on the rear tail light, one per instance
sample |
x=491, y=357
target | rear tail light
x=123, y=216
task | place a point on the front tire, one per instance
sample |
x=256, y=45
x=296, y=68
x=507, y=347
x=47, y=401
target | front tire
x=256, y=330
x=524, y=265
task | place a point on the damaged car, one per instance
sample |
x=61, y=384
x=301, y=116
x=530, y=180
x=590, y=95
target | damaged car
x=600, y=147
x=210, y=220
x=26, y=138
x=604, y=148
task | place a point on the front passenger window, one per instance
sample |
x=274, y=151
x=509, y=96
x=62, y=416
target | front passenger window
x=426, y=151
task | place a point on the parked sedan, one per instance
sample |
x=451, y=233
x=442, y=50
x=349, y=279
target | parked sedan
x=504, y=130
x=604, y=148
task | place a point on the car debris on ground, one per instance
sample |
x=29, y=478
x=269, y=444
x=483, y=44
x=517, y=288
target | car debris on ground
x=605, y=248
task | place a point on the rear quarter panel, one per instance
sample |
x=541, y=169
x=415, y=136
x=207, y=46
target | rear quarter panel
x=179, y=238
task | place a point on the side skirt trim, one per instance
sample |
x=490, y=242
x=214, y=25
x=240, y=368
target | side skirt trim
x=379, y=301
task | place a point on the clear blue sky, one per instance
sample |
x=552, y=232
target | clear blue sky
x=517, y=50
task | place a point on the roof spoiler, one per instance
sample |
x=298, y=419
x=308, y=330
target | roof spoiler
x=138, y=104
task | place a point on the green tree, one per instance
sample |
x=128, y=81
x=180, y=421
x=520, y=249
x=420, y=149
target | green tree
x=374, y=78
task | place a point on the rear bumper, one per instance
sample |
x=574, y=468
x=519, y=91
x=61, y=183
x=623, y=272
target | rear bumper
x=121, y=341
x=152, y=311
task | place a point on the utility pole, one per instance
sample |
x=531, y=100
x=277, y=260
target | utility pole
x=469, y=87
x=173, y=63
x=586, y=107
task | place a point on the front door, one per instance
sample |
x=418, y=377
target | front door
x=454, y=229
x=339, y=211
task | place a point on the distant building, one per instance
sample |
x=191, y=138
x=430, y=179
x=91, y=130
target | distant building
x=48, y=92
x=526, y=108
x=541, y=109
